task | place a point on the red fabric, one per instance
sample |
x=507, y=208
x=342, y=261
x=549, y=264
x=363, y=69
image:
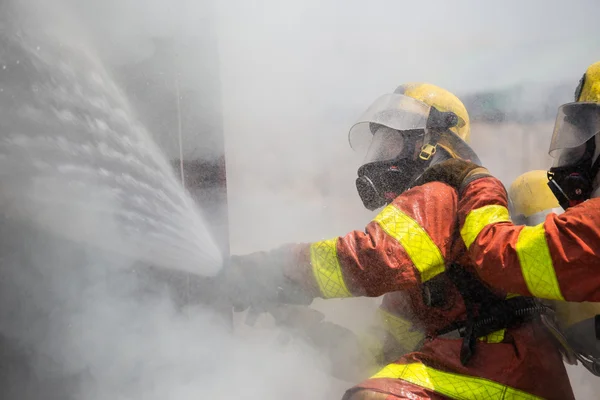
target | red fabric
x=573, y=240
x=373, y=263
x=527, y=361
x=408, y=304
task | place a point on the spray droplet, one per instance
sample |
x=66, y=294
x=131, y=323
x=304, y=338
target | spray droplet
x=37, y=48
x=4, y=66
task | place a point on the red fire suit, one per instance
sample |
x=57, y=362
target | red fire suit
x=558, y=259
x=410, y=242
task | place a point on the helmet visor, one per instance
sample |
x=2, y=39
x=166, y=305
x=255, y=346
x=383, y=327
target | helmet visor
x=575, y=124
x=395, y=111
x=386, y=144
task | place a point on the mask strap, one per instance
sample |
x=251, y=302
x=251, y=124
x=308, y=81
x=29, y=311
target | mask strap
x=429, y=147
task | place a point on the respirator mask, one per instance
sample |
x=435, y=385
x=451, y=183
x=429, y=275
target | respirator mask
x=389, y=166
x=400, y=135
x=573, y=147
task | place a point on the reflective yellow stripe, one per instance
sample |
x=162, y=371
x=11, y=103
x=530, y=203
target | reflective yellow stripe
x=424, y=254
x=480, y=218
x=327, y=269
x=536, y=263
x=455, y=386
x=494, y=337
x=401, y=329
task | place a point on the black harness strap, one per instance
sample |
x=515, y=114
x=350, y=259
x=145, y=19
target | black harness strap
x=486, y=312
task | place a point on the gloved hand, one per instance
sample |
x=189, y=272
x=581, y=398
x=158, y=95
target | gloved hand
x=454, y=172
x=349, y=361
x=257, y=280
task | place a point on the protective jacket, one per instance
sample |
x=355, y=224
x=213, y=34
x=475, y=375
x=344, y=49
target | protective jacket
x=412, y=241
x=558, y=259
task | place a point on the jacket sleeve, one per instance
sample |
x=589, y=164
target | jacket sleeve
x=558, y=259
x=406, y=244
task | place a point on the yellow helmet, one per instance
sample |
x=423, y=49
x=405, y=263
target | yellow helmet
x=530, y=195
x=588, y=89
x=443, y=100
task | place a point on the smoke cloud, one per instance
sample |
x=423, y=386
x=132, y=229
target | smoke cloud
x=89, y=205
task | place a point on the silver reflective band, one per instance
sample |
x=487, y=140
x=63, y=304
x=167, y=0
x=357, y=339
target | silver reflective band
x=539, y=217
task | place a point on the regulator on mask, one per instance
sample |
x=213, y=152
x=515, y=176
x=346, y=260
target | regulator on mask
x=573, y=147
x=397, y=157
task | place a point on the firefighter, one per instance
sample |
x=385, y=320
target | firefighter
x=574, y=324
x=479, y=343
x=559, y=258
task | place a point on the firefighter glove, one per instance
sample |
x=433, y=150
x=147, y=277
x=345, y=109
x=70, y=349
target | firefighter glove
x=257, y=280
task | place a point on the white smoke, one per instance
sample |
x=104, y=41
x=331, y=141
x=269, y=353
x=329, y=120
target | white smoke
x=77, y=320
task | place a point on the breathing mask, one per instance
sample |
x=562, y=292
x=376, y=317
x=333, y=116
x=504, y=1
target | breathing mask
x=573, y=147
x=388, y=166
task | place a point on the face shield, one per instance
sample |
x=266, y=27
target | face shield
x=394, y=111
x=574, y=169
x=576, y=124
x=388, y=144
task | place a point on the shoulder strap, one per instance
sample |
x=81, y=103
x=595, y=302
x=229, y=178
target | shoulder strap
x=486, y=311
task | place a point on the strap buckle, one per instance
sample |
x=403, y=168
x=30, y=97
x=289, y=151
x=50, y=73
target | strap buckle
x=427, y=151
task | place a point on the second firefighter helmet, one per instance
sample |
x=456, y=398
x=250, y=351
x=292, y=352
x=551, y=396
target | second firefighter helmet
x=588, y=89
x=531, y=199
x=405, y=132
x=574, y=145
